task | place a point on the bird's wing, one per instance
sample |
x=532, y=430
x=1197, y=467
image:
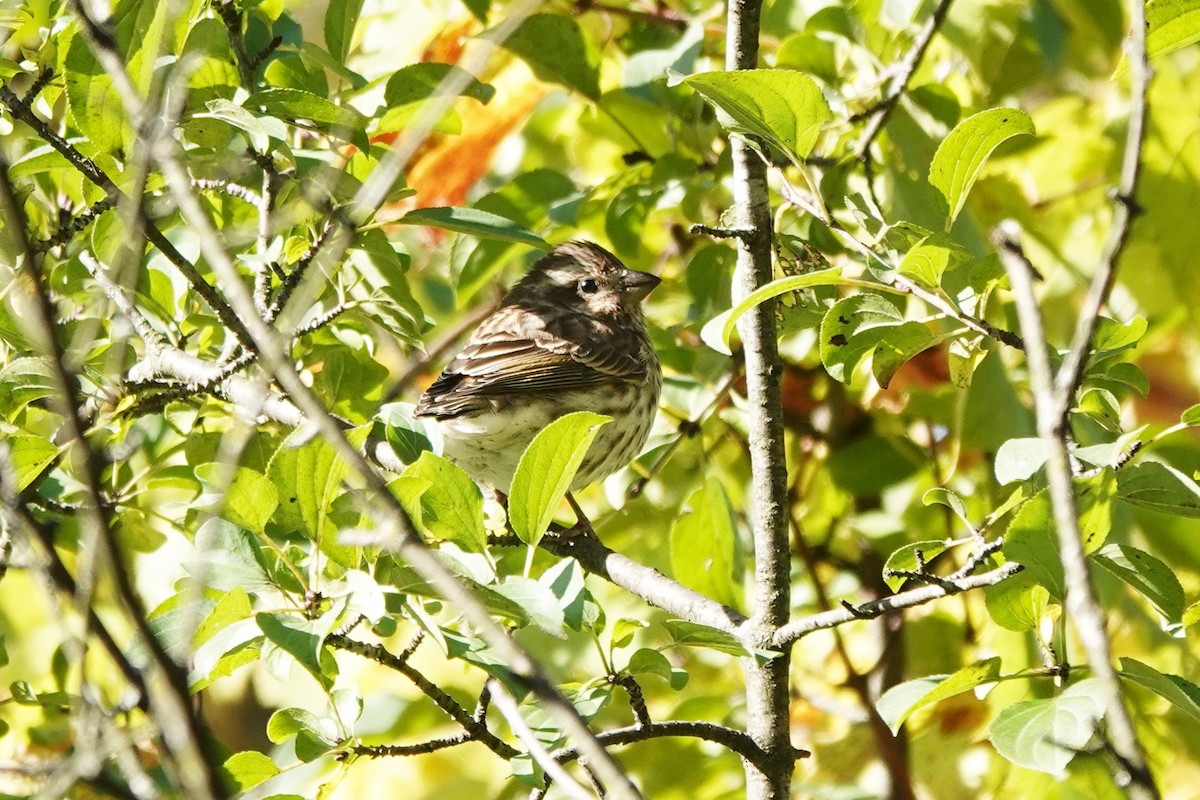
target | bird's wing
x=512, y=353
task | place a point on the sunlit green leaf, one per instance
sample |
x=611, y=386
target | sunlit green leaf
x=249, y=768
x=784, y=107
x=1148, y=575
x=1158, y=487
x=718, y=332
x=900, y=701
x=1046, y=734
x=961, y=155
x=475, y=222
x=341, y=17
x=545, y=472
x=905, y=559
x=703, y=545
x=452, y=506
x=1183, y=694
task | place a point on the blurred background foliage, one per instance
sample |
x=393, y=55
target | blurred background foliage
x=573, y=130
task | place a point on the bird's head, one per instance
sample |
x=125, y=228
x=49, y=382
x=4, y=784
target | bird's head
x=585, y=278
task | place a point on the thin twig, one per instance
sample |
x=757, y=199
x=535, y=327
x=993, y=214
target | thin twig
x=1083, y=608
x=1070, y=375
x=982, y=326
x=879, y=113
x=474, y=726
x=507, y=707
x=913, y=597
x=189, y=740
x=23, y=111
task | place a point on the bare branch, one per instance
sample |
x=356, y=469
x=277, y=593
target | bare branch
x=554, y=771
x=184, y=733
x=646, y=582
x=878, y=115
x=1130, y=767
x=474, y=726
x=1071, y=373
x=907, y=599
x=767, y=699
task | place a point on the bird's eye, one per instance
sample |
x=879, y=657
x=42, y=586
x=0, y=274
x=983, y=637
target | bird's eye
x=589, y=286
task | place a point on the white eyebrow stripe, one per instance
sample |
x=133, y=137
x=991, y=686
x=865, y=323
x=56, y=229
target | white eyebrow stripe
x=563, y=277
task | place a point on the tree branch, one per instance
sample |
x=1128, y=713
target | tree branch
x=913, y=597
x=184, y=734
x=767, y=699
x=1129, y=768
x=476, y=730
x=878, y=115
x=646, y=582
x=1070, y=375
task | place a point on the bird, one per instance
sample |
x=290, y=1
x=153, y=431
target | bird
x=569, y=336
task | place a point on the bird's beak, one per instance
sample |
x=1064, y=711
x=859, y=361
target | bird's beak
x=639, y=284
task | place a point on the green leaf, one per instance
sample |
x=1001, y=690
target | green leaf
x=29, y=455
x=718, y=332
x=624, y=629
x=784, y=107
x=303, y=640
x=452, y=506
x=1191, y=416
x=299, y=107
x=900, y=701
x=311, y=742
x=226, y=558
x=389, y=302
x=944, y=497
x=24, y=381
x=1018, y=603
x=475, y=222
x=95, y=107
x=528, y=200
x=960, y=156
x=566, y=582
x=404, y=433
x=1170, y=25
x=1112, y=336
x=537, y=601
x=1148, y=575
x=249, y=768
x=1046, y=734
x=689, y=634
x=308, y=479
x=1184, y=694
x=1019, y=460
x=703, y=545
x=652, y=662
x=557, y=50
x=417, y=82
x=897, y=346
x=240, y=118
x=905, y=559
x=931, y=258
x=1159, y=487
x=1191, y=615
x=341, y=17
x=1031, y=541
x=545, y=472
x=249, y=497
x=1103, y=407
x=851, y=329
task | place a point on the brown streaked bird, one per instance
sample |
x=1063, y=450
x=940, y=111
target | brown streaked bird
x=569, y=337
